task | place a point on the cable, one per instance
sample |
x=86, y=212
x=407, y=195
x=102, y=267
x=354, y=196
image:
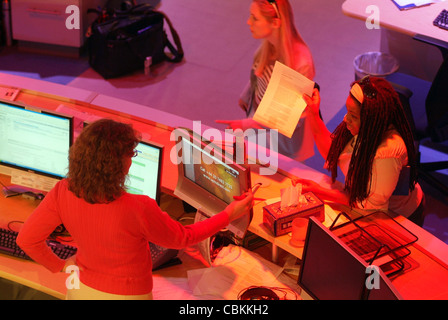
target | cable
x=265, y=293
x=11, y=222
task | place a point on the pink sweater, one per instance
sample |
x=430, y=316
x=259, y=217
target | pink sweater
x=112, y=239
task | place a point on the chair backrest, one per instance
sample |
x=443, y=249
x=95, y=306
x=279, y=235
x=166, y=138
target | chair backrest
x=437, y=105
x=405, y=95
x=437, y=99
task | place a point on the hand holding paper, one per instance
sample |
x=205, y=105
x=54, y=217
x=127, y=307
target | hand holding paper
x=282, y=104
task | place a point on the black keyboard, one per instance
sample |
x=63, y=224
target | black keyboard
x=9, y=246
x=442, y=20
x=161, y=257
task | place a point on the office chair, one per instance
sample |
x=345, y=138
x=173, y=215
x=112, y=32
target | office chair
x=432, y=131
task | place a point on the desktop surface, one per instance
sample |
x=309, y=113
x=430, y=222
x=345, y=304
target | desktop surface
x=428, y=281
x=411, y=22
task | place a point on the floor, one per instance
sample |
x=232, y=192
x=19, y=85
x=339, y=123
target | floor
x=218, y=53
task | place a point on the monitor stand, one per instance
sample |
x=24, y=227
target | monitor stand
x=211, y=246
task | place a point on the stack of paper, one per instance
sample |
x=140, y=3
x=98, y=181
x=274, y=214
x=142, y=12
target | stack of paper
x=236, y=269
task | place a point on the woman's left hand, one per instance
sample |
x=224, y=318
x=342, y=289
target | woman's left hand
x=307, y=185
x=71, y=261
x=313, y=102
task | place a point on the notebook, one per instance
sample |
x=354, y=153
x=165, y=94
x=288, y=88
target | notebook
x=410, y=4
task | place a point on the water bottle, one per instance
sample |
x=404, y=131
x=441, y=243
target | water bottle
x=148, y=62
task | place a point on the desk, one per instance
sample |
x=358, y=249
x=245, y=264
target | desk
x=410, y=22
x=428, y=251
x=398, y=29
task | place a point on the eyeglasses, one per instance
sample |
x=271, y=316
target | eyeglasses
x=134, y=153
x=368, y=89
x=274, y=4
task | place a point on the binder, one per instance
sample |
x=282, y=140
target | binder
x=410, y=4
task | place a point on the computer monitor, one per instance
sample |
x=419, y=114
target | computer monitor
x=34, y=145
x=145, y=173
x=330, y=270
x=209, y=178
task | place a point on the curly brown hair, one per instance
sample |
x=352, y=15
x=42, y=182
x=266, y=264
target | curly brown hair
x=378, y=114
x=96, y=160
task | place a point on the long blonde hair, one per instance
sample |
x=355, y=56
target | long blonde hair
x=289, y=39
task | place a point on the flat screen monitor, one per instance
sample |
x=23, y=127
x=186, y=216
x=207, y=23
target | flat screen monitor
x=330, y=270
x=209, y=178
x=34, y=144
x=145, y=173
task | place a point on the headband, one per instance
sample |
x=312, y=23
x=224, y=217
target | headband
x=356, y=91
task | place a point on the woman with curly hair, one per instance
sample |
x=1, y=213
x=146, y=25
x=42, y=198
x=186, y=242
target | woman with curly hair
x=374, y=148
x=110, y=226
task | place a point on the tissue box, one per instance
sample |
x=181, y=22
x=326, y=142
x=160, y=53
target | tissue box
x=278, y=220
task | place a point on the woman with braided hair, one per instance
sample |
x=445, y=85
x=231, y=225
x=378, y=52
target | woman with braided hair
x=374, y=148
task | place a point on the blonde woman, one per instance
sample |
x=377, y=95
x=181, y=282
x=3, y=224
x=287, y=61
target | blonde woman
x=273, y=23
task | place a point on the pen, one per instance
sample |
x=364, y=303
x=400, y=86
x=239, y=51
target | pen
x=254, y=189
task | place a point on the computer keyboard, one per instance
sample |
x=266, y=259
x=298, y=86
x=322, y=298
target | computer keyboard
x=9, y=246
x=161, y=257
x=442, y=20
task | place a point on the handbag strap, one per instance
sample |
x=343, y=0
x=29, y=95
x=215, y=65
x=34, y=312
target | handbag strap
x=178, y=51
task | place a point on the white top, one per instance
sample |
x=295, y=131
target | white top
x=390, y=157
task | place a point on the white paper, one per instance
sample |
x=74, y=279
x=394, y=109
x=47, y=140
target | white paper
x=283, y=103
x=204, y=245
x=290, y=196
x=234, y=270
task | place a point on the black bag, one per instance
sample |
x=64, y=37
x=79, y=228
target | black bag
x=121, y=44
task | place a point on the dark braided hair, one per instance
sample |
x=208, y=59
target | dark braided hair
x=378, y=115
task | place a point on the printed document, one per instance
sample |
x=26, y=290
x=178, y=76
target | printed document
x=283, y=103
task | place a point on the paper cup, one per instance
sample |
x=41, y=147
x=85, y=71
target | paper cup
x=298, y=234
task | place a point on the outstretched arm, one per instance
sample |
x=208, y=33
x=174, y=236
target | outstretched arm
x=321, y=134
x=326, y=194
x=243, y=124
